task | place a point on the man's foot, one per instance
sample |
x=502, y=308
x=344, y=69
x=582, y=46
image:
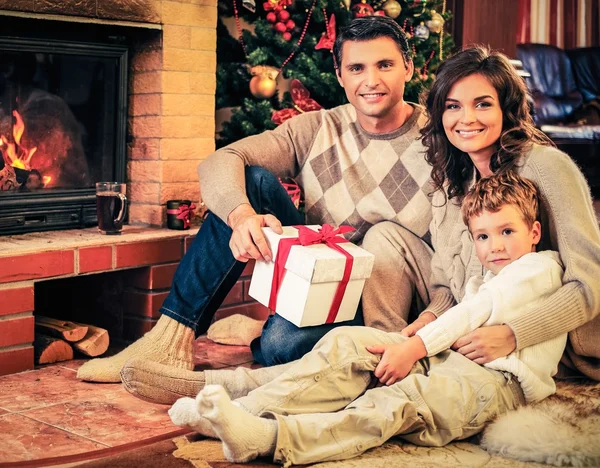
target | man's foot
x=236, y=329
x=245, y=436
x=169, y=342
x=160, y=383
x=184, y=413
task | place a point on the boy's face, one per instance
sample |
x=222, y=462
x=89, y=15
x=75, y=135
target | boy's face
x=502, y=237
x=373, y=74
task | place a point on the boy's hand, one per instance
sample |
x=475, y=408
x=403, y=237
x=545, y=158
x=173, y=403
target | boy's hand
x=424, y=319
x=247, y=240
x=398, y=359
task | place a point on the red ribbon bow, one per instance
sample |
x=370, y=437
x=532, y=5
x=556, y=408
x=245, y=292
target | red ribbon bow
x=184, y=213
x=325, y=235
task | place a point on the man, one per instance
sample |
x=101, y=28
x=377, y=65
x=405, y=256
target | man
x=359, y=164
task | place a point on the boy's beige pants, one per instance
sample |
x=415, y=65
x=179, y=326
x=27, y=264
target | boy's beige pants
x=325, y=412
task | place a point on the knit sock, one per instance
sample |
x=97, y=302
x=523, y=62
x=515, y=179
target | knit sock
x=244, y=436
x=160, y=383
x=236, y=329
x=184, y=413
x=169, y=342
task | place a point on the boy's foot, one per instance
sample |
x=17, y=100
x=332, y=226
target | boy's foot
x=160, y=383
x=169, y=342
x=245, y=436
x=184, y=413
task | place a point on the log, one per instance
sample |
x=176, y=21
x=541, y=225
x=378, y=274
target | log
x=62, y=329
x=49, y=349
x=95, y=341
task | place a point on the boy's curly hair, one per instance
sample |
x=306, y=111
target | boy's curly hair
x=493, y=192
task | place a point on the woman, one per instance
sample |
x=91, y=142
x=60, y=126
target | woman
x=480, y=124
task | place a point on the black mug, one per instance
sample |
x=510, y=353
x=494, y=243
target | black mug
x=179, y=214
x=111, y=206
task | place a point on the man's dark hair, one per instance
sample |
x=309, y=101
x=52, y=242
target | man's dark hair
x=368, y=28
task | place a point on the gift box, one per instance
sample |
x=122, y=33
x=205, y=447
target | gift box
x=315, y=277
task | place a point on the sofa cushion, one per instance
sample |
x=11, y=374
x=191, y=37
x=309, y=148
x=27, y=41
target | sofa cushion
x=585, y=63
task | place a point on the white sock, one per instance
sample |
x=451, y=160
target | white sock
x=184, y=413
x=245, y=436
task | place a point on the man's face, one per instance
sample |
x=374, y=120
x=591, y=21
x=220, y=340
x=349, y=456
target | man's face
x=502, y=237
x=373, y=74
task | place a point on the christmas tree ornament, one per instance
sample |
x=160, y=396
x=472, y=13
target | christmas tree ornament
x=249, y=5
x=280, y=27
x=392, y=8
x=263, y=84
x=283, y=15
x=302, y=103
x=347, y=4
x=286, y=36
x=328, y=37
x=436, y=23
x=422, y=32
x=362, y=9
x=271, y=17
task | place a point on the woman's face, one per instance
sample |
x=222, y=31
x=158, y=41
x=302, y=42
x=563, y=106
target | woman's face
x=472, y=118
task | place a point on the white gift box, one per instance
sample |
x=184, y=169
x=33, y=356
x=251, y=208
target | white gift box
x=311, y=280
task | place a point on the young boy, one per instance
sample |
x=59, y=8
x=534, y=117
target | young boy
x=323, y=407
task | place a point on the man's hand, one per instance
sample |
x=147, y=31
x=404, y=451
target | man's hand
x=398, y=359
x=247, y=240
x=424, y=319
x=486, y=343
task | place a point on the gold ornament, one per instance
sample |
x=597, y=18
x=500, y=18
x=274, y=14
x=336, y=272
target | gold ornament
x=436, y=23
x=263, y=84
x=347, y=4
x=392, y=8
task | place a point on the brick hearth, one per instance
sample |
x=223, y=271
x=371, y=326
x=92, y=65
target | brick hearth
x=147, y=257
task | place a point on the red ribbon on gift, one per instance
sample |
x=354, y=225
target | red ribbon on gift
x=184, y=213
x=325, y=235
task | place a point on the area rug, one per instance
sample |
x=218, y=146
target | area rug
x=563, y=430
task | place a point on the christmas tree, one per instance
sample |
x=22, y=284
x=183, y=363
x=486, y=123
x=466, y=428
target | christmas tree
x=270, y=43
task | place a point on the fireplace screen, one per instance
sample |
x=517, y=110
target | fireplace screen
x=62, y=128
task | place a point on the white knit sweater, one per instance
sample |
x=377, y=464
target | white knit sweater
x=495, y=299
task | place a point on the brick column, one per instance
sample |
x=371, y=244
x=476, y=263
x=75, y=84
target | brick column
x=172, y=107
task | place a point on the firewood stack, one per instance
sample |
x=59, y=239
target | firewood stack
x=55, y=340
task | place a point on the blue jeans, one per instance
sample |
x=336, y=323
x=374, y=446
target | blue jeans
x=208, y=271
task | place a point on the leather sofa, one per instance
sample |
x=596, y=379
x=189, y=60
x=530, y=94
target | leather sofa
x=565, y=88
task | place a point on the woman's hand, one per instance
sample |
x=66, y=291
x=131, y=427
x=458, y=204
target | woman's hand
x=487, y=343
x=424, y=319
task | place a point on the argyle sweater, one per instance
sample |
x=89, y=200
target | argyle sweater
x=348, y=176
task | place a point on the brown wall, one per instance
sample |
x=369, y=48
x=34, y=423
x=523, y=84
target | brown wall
x=492, y=22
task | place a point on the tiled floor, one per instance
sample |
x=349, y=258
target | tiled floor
x=48, y=412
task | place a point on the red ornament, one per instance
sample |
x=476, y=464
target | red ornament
x=328, y=38
x=362, y=9
x=290, y=25
x=286, y=36
x=271, y=17
x=302, y=103
x=280, y=27
x=283, y=15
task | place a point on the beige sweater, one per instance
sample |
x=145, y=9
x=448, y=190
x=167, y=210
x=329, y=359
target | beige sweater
x=349, y=176
x=569, y=226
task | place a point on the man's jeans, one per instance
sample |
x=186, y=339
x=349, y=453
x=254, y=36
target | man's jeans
x=208, y=271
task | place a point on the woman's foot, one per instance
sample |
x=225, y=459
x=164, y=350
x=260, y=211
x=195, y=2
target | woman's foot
x=160, y=383
x=169, y=342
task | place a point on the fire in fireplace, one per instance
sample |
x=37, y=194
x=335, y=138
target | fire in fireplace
x=62, y=128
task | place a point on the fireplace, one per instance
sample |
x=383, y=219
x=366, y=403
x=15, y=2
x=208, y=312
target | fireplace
x=63, y=111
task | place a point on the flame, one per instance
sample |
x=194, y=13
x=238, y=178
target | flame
x=16, y=155
x=46, y=180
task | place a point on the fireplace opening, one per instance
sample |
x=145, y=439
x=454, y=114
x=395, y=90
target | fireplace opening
x=63, y=108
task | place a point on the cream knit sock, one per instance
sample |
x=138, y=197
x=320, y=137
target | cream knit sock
x=184, y=413
x=244, y=436
x=169, y=342
x=236, y=329
x=160, y=383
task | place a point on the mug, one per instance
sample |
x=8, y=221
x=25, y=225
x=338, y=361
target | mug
x=179, y=214
x=111, y=206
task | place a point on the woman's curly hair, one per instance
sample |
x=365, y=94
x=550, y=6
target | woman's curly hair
x=450, y=166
